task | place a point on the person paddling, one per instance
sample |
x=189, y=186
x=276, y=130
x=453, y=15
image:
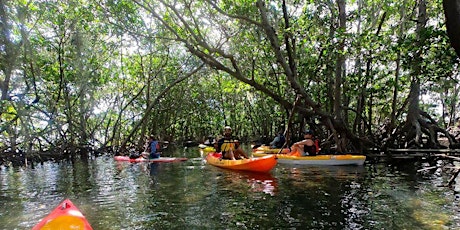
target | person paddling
x=230, y=146
x=210, y=141
x=279, y=140
x=153, y=148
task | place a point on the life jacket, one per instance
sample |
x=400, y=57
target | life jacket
x=226, y=144
x=312, y=150
x=317, y=145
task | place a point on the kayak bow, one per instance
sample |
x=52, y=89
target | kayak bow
x=65, y=216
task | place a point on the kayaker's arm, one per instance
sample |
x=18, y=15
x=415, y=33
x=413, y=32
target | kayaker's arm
x=308, y=142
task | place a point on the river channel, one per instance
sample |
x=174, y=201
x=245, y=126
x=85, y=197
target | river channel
x=194, y=195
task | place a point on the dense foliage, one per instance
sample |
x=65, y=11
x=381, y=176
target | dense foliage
x=80, y=73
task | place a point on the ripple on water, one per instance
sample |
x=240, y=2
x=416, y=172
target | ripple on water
x=161, y=196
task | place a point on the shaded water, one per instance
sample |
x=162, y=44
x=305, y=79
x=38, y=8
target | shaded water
x=193, y=195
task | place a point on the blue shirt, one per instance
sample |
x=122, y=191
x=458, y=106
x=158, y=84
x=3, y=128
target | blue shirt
x=153, y=149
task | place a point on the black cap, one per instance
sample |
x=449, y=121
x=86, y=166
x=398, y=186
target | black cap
x=308, y=131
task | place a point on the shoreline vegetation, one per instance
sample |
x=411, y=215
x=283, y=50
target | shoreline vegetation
x=20, y=158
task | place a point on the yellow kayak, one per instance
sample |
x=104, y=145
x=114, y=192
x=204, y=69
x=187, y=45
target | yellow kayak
x=345, y=159
x=267, y=149
x=206, y=149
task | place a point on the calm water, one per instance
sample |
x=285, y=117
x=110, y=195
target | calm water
x=193, y=195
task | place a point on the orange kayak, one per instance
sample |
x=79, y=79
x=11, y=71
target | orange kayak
x=65, y=216
x=261, y=164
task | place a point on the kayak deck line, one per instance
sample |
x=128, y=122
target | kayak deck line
x=344, y=159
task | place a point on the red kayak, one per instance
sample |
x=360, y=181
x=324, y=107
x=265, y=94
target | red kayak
x=142, y=159
x=64, y=216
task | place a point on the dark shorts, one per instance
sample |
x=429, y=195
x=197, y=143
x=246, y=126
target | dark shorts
x=225, y=156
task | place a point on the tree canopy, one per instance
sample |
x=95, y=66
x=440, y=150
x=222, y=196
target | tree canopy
x=361, y=74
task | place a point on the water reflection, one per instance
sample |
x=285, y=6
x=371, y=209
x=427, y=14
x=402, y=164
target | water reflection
x=153, y=169
x=338, y=172
x=246, y=181
x=193, y=195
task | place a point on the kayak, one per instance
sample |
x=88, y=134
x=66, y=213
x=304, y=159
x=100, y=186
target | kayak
x=346, y=159
x=141, y=159
x=65, y=216
x=267, y=149
x=261, y=164
x=206, y=148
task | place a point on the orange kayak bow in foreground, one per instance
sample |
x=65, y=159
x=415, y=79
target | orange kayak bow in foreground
x=261, y=164
x=65, y=216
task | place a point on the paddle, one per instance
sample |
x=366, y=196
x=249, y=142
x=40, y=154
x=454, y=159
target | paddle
x=289, y=122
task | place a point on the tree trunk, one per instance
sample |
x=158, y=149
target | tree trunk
x=9, y=52
x=398, y=68
x=452, y=13
x=340, y=64
x=339, y=70
x=413, y=127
